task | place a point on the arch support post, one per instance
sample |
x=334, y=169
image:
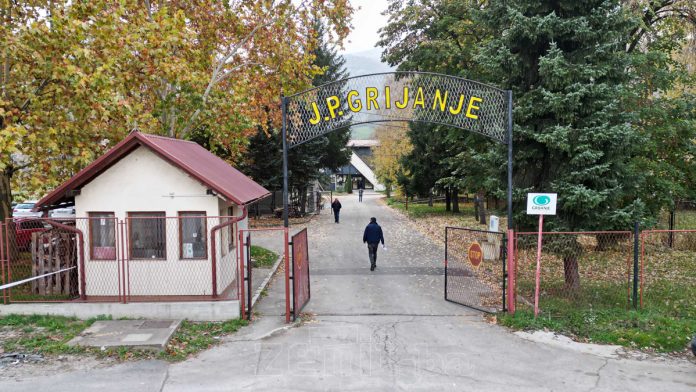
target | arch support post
x=509, y=162
x=283, y=109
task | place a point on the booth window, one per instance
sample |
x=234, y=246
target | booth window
x=102, y=234
x=192, y=235
x=147, y=235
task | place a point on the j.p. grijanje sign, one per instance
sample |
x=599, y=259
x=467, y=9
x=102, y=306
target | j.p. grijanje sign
x=373, y=99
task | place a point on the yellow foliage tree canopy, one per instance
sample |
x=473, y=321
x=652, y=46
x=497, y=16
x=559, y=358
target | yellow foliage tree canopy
x=393, y=145
x=77, y=76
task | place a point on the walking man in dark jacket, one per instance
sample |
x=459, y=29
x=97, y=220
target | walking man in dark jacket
x=373, y=236
x=336, y=207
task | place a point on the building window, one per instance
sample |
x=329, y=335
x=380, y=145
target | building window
x=146, y=234
x=102, y=234
x=226, y=233
x=192, y=235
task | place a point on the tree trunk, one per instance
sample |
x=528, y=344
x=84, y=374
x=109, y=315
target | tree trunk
x=482, y=208
x=430, y=198
x=5, y=195
x=448, y=201
x=6, y=214
x=455, y=201
x=572, y=275
x=387, y=188
x=476, y=207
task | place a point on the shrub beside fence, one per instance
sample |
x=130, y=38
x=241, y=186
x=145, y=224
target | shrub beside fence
x=579, y=271
x=611, y=287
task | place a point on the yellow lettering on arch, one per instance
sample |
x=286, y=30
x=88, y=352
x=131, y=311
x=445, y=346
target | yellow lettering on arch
x=459, y=106
x=352, y=102
x=440, y=101
x=419, y=99
x=473, y=106
x=333, y=103
x=317, y=116
x=371, y=99
x=404, y=103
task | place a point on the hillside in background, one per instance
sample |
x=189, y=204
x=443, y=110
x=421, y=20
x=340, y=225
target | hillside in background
x=367, y=62
x=362, y=63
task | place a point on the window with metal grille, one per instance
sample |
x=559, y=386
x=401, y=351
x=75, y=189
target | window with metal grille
x=147, y=235
x=192, y=235
x=102, y=235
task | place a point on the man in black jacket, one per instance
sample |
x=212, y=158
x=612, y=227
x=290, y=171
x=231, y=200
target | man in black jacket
x=373, y=236
x=336, y=207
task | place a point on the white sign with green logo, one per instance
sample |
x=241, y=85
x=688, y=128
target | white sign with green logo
x=541, y=203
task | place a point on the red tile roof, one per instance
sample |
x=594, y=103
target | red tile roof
x=190, y=157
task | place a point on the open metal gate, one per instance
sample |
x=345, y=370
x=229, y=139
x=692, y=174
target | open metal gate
x=300, y=273
x=246, y=268
x=475, y=268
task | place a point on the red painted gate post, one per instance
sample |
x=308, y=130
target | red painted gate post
x=240, y=259
x=2, y=262
x=538, y=265
x=512, y=269
x=287, y=276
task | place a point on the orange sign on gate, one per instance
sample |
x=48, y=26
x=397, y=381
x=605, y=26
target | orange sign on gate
x=475, y=254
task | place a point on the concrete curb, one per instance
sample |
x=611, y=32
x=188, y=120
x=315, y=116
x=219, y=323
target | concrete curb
x=266, y=281
x=276, y=332
x=194, y=311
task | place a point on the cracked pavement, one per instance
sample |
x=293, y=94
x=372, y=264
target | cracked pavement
x=385, y=330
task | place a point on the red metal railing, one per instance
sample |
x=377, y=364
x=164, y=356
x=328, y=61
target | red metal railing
x=139, y=258
x=579, y=270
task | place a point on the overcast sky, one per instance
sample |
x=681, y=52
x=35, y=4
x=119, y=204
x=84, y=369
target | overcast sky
x=366, y=21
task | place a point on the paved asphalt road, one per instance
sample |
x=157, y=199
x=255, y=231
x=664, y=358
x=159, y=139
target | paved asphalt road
x=384, y=330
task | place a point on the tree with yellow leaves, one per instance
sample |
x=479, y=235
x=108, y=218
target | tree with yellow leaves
x=394, y=144
x=77, y=76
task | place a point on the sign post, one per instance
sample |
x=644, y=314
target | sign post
x=540, y=204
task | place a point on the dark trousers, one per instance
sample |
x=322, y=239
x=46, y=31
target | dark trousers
x=372, y=250
x=360, y=195
x=336, y=215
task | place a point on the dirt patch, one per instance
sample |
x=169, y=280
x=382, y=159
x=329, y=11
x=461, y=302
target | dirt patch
x=52, y=364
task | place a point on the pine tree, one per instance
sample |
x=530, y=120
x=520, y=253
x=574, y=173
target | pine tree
x=566, y=64
x=306, y=161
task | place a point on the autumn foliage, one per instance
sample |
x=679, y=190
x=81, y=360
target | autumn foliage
x=77, y=76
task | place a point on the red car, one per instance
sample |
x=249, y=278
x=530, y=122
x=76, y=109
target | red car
x=24, y=227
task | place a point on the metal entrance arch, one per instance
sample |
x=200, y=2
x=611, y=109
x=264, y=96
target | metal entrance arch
x=397, y=97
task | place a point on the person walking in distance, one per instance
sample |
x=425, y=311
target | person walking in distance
x=336, y=207
x=361, y=188
x=372, y=237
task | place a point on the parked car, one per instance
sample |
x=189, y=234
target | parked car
x=24, y=227
x=62, y=213
x=23, y=209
